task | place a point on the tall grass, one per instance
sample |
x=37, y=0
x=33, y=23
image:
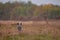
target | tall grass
x=30, y=37
x=26, y=36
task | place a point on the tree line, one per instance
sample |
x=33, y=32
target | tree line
x=28, y=11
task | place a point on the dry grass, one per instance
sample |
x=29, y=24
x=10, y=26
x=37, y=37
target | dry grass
x=31, y=28
x=34, y=27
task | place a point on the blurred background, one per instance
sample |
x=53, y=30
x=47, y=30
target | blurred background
x=40, y=19
x=25, y=10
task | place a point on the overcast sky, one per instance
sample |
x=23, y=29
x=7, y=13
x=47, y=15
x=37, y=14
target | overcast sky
x=38, y=2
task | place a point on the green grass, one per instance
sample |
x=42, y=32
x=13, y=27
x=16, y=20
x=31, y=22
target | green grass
x=30, y=37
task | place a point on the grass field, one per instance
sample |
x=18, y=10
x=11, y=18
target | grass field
x=31, y=30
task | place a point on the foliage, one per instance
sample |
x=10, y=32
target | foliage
x=21, y=10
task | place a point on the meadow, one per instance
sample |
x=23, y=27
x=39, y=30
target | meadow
x=31, y=30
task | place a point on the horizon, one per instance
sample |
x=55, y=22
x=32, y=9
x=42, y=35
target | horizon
x=37, y=2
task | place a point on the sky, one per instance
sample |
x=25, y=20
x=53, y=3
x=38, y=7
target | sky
x=38, y=2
